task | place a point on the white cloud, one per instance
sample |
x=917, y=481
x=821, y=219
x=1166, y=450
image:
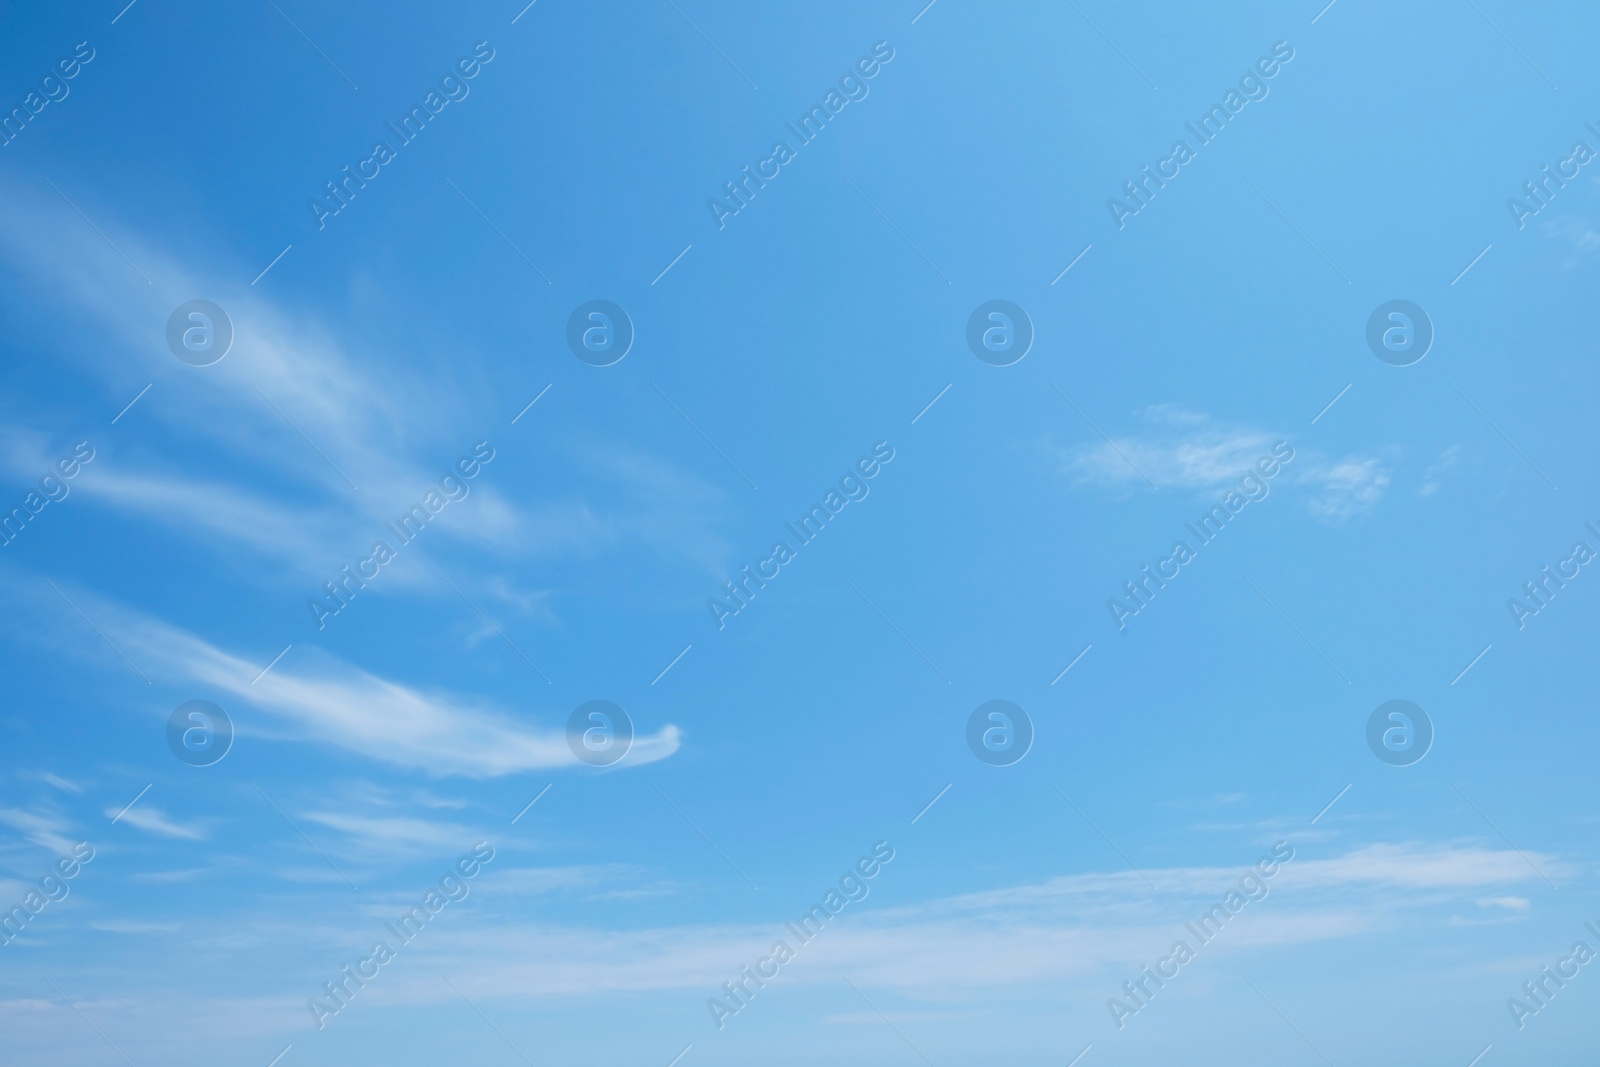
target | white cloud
x=393, y=426
x=1420, y=867
x=318, y=697
x=1575, y=232
x=1073, y=938
x=1349, y=487
x=172, y=877
x=1179, y=449
x=1062, y=930
x=295, y=536
x=126, y=926
x=60, y=783
x=1433, y=477
x=47, y=831
x=611, y=881
x=395, y=835
x=151, y=819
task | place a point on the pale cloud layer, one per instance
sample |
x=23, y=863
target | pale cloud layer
x=1072, y=938
x=317, y=697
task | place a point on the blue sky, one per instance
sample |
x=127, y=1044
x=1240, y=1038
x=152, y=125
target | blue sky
x=424, y=326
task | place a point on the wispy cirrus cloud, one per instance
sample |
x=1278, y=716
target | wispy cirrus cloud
x=1073, y=938
x=1065, y=929
x=320, y=697
x=46, y=829
x=271, y=434
x=1181, y=449
x=151, y=819
x=394, y=835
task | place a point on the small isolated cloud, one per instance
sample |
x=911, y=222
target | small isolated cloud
x=1433, y=477
x=394, y=834
x=1181, y=449
x=1346, y=488
x=171, y=877
x=1411, y=866
x=135, y=929
x=1178, y=449
x=1576, y=233
x=46, y=831
x=431, y=800
x=153, y=820
x=1496, y=911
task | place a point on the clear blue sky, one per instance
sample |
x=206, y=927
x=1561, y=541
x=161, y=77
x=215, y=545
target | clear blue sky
x=175, y=515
